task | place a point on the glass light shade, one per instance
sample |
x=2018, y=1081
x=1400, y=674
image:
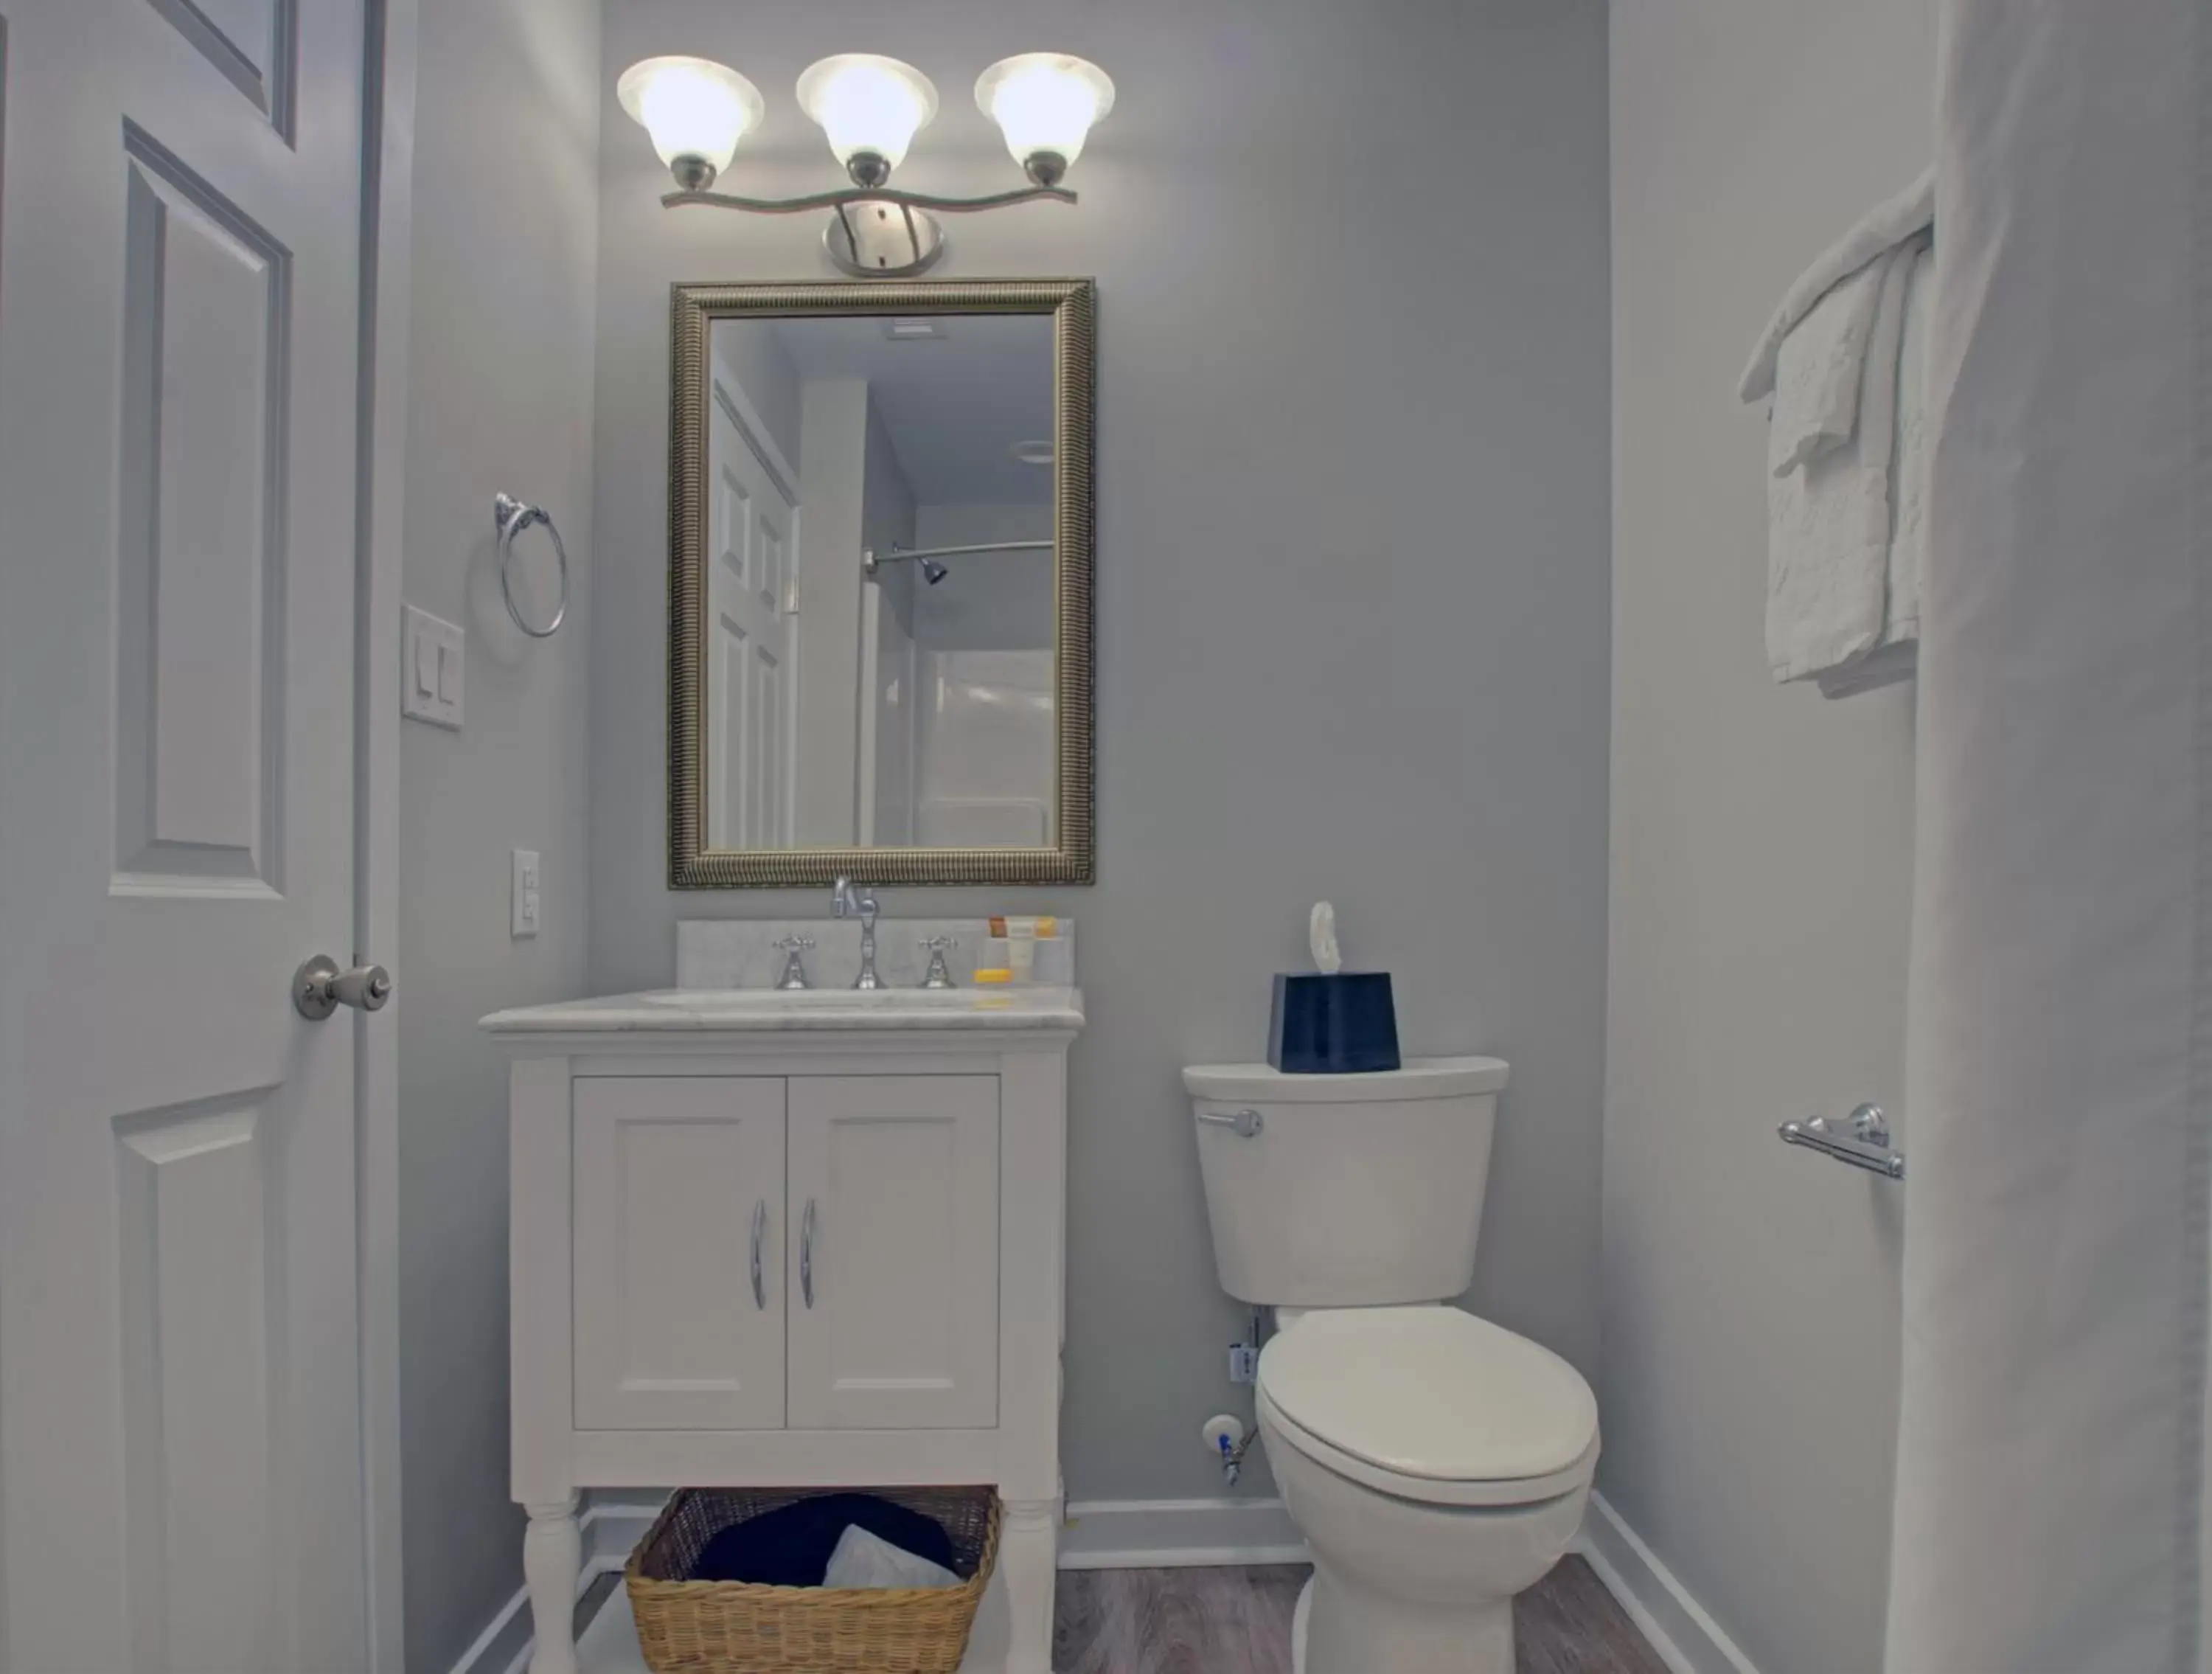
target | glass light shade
x=865, y=102
x=693, y=107
x=1044, y=102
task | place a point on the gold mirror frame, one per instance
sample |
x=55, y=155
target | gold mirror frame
x=693, y=310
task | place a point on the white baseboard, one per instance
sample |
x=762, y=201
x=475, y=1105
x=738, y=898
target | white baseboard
x=1176, y=1534
x=1167, y=1534
x=1679, y=1628
x=611, y=1533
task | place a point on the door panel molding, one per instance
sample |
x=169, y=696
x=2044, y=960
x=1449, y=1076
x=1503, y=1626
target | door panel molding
x=200, y=628
x=264, y=66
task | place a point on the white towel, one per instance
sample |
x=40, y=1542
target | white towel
x=1883, y=227
x=1829, y=515
x=1895, y=655
x=1822, y=363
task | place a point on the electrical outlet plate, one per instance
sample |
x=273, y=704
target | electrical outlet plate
x=523, y=893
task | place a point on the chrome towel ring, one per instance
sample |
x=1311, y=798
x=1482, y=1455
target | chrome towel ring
x=513, y=517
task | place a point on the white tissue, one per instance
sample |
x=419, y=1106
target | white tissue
x=865, y=1559
x=1321, y=934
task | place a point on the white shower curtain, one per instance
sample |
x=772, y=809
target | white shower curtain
x=2051, y=1436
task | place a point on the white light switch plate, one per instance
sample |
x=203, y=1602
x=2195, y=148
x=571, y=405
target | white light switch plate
x=430, y=668
x=523, y=894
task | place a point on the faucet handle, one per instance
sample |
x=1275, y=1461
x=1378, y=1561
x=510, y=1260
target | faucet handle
x=939, y=975
x=794, y=966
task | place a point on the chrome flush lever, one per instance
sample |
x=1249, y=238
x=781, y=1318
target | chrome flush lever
x=1248, y=1125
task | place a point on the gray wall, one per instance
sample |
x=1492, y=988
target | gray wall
x=1351, y=597
x=1761, y=853
x=499, y=398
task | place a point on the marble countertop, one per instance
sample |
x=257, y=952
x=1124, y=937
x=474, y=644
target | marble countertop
x=714, y=1011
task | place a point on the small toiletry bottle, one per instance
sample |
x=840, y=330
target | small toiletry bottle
x=1055, y=955
x=1021, y=947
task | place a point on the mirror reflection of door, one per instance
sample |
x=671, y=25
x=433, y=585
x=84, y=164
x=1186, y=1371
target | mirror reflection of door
x=914, y=707
x=752, y=597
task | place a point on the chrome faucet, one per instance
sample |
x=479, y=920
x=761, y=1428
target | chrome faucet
x=845, y=902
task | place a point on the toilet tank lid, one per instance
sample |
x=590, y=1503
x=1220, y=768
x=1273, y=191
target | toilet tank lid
x=1419, y=1078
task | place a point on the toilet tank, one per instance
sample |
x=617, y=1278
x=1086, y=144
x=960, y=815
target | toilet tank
x=1346, y=1190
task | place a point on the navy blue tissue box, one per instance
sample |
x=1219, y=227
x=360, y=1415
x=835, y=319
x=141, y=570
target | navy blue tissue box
x=1346, y=1024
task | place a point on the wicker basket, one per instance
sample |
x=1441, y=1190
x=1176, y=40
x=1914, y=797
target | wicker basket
x=688, y=1627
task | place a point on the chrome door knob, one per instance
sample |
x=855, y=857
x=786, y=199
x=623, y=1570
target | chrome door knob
x=319, y=987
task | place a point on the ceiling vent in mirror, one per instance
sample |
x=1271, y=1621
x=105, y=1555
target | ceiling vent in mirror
x=913, y=328
x=1032, y=452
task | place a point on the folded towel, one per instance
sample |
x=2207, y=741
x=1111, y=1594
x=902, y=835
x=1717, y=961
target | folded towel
x=1895, y=655
x=865, y=1559
x=1884, y=666
x=1908, y=543
x=1829, y=515
x=1822, y=363
x=1887, y=225
x=791, y=1545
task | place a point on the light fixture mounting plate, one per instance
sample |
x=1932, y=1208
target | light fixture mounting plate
x=876, y=238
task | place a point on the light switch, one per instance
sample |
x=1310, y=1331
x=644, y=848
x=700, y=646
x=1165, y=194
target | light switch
x=431, y=668
x=523, y=894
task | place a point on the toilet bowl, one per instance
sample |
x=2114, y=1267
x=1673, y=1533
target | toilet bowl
x=1438, y=1465
x=1436, y=1462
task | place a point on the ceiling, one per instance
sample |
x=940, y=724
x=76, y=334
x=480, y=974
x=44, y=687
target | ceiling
x=952, y=404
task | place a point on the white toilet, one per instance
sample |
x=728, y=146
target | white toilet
x=1436, y=1464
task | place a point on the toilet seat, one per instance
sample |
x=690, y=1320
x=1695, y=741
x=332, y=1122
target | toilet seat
x=1431, y=1404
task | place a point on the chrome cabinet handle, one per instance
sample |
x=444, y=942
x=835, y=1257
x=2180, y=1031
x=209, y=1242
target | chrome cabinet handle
x=806, y=1254
x=760, y=1231
x=1248, y=1123
x=319, y=987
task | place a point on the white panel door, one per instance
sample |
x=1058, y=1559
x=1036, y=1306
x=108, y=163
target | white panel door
x=180, y=1437
x=752, y=597
x=893, y=1205
x=679, y=1280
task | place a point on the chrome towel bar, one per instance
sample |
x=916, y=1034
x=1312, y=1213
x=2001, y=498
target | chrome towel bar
x=1867, y=1145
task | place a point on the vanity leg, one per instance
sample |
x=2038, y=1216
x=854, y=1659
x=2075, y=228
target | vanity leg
x=552, y=1554
x=1029, y=1559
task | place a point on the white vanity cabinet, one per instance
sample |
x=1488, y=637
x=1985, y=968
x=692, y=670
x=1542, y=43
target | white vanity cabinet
x=759, y=1242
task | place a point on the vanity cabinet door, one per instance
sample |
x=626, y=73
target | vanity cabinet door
x=894, y=1251
x=678, y=1180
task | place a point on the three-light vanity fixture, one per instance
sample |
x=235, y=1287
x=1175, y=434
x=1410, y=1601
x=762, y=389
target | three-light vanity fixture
x=869, y=107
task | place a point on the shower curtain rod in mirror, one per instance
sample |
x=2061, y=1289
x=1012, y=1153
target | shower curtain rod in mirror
x=898, y=551
x=871, y=562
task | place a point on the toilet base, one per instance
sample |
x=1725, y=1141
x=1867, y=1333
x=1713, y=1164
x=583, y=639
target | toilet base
x=1336, y=1632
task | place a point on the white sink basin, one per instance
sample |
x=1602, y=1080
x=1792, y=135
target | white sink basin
x=696, y=1010
x=822, y=999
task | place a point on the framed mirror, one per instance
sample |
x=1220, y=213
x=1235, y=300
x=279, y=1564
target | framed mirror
x=880, y=552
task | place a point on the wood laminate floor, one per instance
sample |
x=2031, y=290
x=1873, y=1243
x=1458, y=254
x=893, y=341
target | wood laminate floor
x=1239, y=1621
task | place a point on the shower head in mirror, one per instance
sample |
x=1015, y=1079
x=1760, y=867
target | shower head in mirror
x=932, y=572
